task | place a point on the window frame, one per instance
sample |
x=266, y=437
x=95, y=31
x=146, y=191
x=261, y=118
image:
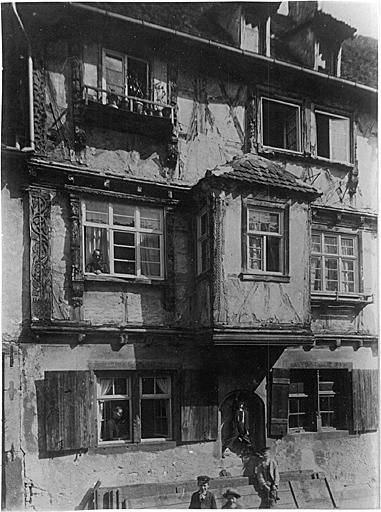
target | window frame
x=124, y=57
x=338, y=115
x=111, y=228
x=200, y=239
x=299, y=135
x=323, y=255
x=282, y=210
x=135, y=380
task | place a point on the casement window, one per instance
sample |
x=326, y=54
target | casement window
x=334, y=262
x=265, y=240
x=122, y=395
x=129, y=238
x=333, y=136
x=203, y=242
x=322, y=399
x=125, y=75
x=78, y=410
x=280, y=124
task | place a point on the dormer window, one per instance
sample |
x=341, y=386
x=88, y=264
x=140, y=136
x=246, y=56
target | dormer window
x=280, y=125
x=333, y=136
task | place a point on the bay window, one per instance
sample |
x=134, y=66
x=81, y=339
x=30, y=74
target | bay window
x=123, y=239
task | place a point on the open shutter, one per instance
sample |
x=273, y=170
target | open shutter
x=278, y=417
x=365, y=400
x=69, y=410
x=199, y=409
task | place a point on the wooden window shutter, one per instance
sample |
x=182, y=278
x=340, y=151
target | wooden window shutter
x=69, y=410
x=365, y=400
x=199, y=407
x=278, y=417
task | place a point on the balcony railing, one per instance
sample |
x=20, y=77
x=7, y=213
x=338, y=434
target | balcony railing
x=141, y=106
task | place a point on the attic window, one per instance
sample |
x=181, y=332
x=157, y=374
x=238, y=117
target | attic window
x=333, y=136
x=280, y=125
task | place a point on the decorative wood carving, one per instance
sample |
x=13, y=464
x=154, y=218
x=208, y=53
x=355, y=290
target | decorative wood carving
x=39, y=108
x=169, y=293
x=40, y=260
x=251, y=120
x=77, y=281
x=217, y=219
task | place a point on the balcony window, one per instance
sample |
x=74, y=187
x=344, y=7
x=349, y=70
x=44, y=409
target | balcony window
x=123, y=239
x=124, y=75
x=280, y=125
x=334, y=263
x=333, y=136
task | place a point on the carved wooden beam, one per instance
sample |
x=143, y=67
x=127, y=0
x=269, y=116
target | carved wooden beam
x=217, y=220
x=77, y=281
x=169, y=291
x=40, y=257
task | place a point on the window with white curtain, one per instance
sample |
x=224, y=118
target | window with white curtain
x=123, y=239
x=333, y=136
x=133, y=406
x=334, y=262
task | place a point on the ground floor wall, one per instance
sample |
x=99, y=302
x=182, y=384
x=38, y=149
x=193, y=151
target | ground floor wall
x=62, y=482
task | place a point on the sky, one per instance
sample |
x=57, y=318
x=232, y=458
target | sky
x=362, y=15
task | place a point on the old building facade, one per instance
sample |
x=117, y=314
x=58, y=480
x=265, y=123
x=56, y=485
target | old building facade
x=189, y=223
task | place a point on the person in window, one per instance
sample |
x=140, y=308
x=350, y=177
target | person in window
x=113, y=425
x=268, y=480
x=231, y=496
x=203, y=498
x=96, y=265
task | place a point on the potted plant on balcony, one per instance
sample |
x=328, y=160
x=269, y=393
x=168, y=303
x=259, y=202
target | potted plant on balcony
x=112, y=100
x=135, y=89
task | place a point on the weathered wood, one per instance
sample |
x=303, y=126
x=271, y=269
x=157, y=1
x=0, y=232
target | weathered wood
x=199, y=409
x=280, y=381
x=311, y=494
x=365, y=400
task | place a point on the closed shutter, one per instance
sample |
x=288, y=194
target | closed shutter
x=279, y=388
x=365, y=400
x=69, y=406
x=199, y=409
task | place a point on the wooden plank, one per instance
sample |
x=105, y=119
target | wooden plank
x=280, y=381
x=311, y=494
x=365, y=400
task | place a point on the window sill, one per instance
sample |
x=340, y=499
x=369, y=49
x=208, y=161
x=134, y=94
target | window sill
x=143, y=446
x=323, y=434
x=305, y=157
x=130, y=280
x=318, y=298
x=276, y=278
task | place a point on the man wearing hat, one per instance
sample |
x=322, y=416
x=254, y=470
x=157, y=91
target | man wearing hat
x=231, y=495
x=203, y=498
x=268, y=480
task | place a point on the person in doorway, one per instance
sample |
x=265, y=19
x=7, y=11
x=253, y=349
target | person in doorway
x=96, y=265
x=268, y=480
x=203, y=498
x=113, y=425
x=231, y=496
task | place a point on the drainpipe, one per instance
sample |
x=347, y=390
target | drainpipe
x=30, y=83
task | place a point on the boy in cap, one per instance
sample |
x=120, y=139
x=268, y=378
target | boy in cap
x=231, y=495
x=268, y=480
x=203, y=498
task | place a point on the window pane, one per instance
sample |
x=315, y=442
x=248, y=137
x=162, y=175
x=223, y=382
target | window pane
x=124, y=267
x=347, y=246
x=316, y=243
x=123, y=238
x=331, y=274
x=150, y=255
x=120, y=386
x=322, y=135
x=124, y=215
x=96, y=250
x=115, y=420
x=273, y=263
x=316, y=274
x=339, y=139
x=137, y=76
x=162, y=385
x=124, y=253
x=348, y=276
x=330, y=244
x=96, y=211
x=155, y=418
x=263, y=221
x=148, y=385
x=150, y=218
x=114, y=74
x=280, y=124
x=255, y=253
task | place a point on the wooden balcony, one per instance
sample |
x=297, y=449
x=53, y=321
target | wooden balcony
x=128, y=113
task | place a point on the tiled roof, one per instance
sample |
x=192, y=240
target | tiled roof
x=252, y=168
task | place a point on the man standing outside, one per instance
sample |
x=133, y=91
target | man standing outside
x=203, y=498
x=268, y=480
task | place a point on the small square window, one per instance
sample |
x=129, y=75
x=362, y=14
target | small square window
x=280, y=125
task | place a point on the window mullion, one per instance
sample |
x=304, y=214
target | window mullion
x=137, y=242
